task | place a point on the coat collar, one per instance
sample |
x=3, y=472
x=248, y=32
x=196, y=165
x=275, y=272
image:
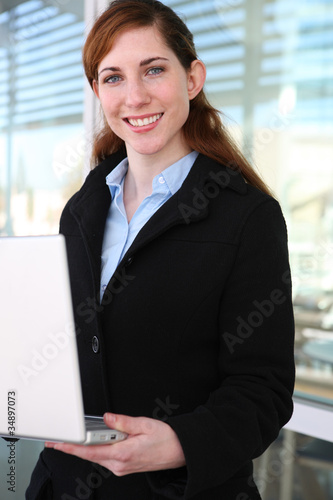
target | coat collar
x=90, y=206
x=204, y=172
x=190, y=204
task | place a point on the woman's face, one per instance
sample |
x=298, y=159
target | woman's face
x=145, y=92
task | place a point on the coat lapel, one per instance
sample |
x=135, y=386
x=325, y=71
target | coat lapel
x=191, y=202
x=90, y=209
x=188, y=205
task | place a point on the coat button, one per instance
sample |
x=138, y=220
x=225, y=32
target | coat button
x=129, y=261
x=95, y=344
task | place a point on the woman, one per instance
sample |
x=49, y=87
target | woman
x=180, y=281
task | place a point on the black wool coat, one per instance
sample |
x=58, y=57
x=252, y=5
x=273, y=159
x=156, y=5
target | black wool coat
x=196, y=328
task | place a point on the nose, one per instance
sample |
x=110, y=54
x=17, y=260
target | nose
x=136, y=94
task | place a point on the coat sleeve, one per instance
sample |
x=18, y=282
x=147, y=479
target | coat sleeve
x=244, y=415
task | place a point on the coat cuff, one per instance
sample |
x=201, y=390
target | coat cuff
x=207, y=465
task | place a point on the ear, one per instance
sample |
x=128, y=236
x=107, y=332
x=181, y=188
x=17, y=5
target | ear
x=95, y=88
x=196, y=78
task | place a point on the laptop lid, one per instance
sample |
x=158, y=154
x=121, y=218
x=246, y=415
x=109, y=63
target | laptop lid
x=40, y=388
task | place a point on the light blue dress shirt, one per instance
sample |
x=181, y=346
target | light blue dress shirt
x=119, y=234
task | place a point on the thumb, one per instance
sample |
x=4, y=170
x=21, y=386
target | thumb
x=124, y=423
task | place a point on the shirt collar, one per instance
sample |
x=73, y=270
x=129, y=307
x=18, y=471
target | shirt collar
x=116, y=176
x=174, y=175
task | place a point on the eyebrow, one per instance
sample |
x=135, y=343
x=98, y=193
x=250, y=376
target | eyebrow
x=144, y=62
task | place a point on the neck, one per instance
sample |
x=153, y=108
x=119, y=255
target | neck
x=138, y=183
x=143, y=168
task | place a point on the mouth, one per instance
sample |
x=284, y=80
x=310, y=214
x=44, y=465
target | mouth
x=143, y=122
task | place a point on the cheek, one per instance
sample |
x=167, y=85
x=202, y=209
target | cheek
x=108, y=103
x=177, y=97
x=183, y=105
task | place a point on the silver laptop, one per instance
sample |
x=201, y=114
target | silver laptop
x=40, y=387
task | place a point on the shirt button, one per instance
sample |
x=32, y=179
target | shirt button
x=161, y=180
x=95, y=344
x=103, y=288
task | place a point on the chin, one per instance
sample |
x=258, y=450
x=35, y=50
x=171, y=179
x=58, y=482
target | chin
x=148, y=149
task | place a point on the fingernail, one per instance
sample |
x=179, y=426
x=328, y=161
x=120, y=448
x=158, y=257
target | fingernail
x=111, y=418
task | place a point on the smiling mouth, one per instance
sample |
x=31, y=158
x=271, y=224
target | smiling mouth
x=141, y=122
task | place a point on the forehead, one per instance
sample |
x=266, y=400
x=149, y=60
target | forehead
x=138, y=43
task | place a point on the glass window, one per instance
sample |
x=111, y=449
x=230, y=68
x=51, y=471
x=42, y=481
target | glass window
x=270, y=71
x=41, y=109
x=296, y=467
x=41, y=142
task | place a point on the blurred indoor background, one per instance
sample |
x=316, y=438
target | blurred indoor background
x=270, y=71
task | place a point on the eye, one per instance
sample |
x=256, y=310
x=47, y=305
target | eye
x=112, y=79
x=155, y=71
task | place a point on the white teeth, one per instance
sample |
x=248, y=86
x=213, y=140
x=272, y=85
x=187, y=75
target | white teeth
x=145, y=121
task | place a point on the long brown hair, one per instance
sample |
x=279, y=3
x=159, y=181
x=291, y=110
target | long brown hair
x=204, y=130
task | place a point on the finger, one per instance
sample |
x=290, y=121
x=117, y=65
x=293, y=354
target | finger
x=130, y=425
x=98, y=453
x=49, y=444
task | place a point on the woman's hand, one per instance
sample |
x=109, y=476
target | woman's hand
x=151, y=445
